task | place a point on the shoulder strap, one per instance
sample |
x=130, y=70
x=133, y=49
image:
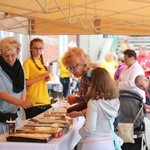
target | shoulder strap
x=138, y=114
x=111, y=125
x=115, y=137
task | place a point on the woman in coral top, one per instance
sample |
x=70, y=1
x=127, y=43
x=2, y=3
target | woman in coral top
x=36, y=76
x=80, y=65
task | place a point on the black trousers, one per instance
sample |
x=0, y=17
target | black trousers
x=34, y=111
x=66, y=85
x=7, y=116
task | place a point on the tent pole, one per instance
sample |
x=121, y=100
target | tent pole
x=30, y=29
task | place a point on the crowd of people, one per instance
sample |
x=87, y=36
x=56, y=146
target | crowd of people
x=25, y=86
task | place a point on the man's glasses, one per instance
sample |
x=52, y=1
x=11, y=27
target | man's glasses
x=73, y=67
x=38, y=48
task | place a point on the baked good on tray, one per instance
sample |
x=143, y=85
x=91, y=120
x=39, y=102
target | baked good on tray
x=29, y=137
x=45, y=130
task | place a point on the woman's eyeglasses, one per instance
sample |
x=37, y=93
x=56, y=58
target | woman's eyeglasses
x=73, y=67
x=38, y=48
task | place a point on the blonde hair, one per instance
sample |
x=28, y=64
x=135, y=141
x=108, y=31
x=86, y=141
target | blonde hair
x=9, y=44
x=75, y=56
x=110, y=56
x=102, y=85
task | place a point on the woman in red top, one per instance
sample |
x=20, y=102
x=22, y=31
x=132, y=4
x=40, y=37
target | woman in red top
x=80, y=65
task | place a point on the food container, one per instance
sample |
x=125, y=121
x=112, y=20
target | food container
x=58, y=134
x=29, y=137
x=11, y=126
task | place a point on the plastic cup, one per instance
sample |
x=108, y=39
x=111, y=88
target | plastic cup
x=11, y=126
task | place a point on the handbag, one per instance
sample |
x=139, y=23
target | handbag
x=126, y=130
x=115, y=137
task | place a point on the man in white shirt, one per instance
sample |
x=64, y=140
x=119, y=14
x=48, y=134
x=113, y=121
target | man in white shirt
x=128, y=75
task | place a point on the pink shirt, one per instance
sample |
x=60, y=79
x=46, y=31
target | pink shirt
x=118, y=71
x=144, y=61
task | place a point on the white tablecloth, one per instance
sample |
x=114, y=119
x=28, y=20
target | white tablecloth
x=66, y=142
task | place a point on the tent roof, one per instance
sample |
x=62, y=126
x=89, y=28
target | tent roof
x=127, y=17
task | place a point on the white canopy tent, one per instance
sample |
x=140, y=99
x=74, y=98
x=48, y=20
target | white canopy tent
x=43, y=17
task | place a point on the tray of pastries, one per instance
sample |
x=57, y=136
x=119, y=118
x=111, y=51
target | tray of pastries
x=52, y=125
x=56, y=115
x=64, y=127
x=29, y=137
x=42, y=129
x=48, y=120
x=45, y=130
x=54, y=131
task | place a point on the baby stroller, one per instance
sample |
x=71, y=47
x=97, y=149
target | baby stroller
x=131, y=104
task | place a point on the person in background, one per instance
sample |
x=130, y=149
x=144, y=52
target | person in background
x=144, y=59
x=64, y=76
x=121, y=66
x=103, y=105
x=128, y=75
x=79, y=64
x=143, y=83
x=36, y=75
x=74, y=85
x=124, y=45
x=109, y=63
x=55, y=88
x=12, y=82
